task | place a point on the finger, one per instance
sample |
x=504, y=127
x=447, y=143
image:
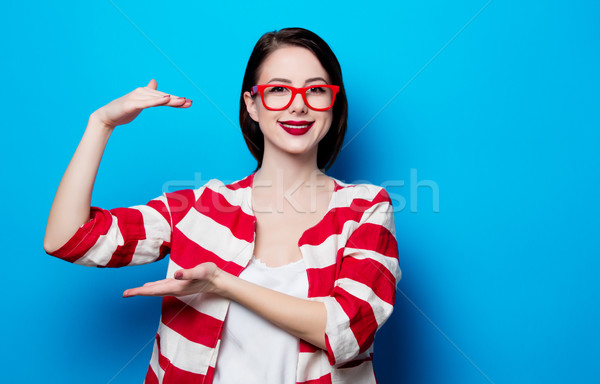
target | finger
x=129, y=292
x=149, y=92
x=152, y=92
x=132, y=292
x=152, y=84
x=196, y=273
x=162, y=288
x=180, y=275
x=177, y=101
x=165, y=100
x=187, y=104
x=186, y=274
x=153, y=102
x=151, y=283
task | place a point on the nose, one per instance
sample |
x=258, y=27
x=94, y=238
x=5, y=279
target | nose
x=298, y=104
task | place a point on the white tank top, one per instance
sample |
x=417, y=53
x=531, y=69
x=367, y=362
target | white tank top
x=252, y=350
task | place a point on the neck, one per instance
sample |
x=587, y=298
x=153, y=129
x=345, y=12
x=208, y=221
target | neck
x=289, y=169
x=290, y=182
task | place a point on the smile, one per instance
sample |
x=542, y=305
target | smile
x=296, y=127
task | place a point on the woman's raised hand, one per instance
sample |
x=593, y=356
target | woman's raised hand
x=126, y=108
x=71, y=206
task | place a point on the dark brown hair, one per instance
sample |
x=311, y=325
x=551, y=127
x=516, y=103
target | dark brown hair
x=330, y=145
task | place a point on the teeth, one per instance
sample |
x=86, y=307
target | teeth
x=295, y=126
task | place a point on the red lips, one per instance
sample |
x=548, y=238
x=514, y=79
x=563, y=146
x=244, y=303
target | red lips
x=296, y=127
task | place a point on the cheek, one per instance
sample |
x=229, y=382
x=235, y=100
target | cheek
x=327, y=122
x=266, y=118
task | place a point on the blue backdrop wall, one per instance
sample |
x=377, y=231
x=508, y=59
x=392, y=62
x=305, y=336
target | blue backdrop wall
x=481, y=118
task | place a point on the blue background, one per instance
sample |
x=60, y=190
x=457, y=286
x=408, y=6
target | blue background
x=493, y=108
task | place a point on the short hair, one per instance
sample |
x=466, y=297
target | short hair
x=331, y=144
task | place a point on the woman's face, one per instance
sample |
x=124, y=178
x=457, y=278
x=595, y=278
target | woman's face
x=286, y=130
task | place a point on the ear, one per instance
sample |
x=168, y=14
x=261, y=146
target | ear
x=251, y=106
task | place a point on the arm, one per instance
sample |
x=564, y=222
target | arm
x=343, y=324
x=364, y=291
x=71, y=206
x=302, y=318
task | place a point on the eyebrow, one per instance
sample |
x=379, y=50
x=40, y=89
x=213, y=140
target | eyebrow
x=288, y=81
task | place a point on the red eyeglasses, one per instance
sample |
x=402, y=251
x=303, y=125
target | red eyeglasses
x=277, y=97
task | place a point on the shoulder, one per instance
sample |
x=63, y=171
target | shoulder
x=369, y=206
x=353, y=193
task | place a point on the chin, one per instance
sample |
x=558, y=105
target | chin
x=298, y=151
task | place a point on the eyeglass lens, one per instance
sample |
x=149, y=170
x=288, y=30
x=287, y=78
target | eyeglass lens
x=278, y=97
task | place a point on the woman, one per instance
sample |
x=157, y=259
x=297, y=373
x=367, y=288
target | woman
x=281, y=277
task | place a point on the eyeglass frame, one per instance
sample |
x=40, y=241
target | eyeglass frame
x=260, y=89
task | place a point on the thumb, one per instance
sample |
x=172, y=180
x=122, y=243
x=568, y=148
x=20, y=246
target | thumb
x=180, y=275
x=152, y=84
x=187, y=274
x=199, y=272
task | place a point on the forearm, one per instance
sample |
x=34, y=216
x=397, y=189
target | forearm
x=302, y=318
x=71, y=206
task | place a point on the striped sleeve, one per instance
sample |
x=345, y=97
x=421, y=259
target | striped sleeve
x=365, y=288
x=121, y=236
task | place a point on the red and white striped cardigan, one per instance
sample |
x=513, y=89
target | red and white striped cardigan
x=351, y=259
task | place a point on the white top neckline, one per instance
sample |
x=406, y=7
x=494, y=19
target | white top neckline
x=295, y=265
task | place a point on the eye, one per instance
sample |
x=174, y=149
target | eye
x=316, y=90
x=277, y=90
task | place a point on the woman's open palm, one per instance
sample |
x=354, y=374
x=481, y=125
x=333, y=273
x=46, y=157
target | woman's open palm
x=126, y=108
x=199, y=279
